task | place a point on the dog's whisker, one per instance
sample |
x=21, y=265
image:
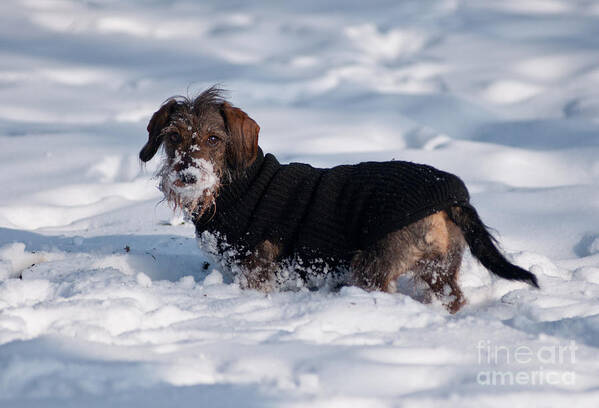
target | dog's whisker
x=213, y=210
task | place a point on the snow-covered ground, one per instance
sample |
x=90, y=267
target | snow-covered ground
x=116, y=307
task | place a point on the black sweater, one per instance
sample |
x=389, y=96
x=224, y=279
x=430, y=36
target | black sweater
x=327, y=214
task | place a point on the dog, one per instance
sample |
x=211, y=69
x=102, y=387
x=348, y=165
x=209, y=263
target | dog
x=365, y=225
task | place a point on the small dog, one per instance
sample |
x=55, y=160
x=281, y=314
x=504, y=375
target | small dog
x=365, y=225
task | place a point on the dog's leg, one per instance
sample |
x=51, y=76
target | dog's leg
x=431, y=248
x=259, y=269
x=441, y=276
x=440, y=266
x=378, y=267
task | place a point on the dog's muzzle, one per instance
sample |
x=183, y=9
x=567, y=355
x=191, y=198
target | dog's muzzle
x=191, y=189
x=185, y=179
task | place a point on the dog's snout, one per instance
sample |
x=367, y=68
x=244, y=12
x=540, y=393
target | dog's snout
x=187, y=178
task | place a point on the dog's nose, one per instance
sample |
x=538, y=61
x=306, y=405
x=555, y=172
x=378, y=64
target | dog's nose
x=187, y=178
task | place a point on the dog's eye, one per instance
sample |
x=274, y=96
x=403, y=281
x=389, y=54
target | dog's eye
x=174, y=137
x=213, y=140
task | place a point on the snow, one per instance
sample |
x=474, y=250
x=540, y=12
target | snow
x=186, y=196
x=117, y=305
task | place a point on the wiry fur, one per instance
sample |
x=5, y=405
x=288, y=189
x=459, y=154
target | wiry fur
x=182, y=126
x=431, y=249
x=208, y=143
x=192, y=200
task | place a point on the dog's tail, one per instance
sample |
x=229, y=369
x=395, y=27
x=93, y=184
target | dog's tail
x=482, y=245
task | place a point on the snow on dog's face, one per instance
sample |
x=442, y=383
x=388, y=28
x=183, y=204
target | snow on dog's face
x=191, y=187
x=206, y=141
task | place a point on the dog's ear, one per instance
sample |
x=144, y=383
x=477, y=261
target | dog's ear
x=157, y=123
x=243, y=146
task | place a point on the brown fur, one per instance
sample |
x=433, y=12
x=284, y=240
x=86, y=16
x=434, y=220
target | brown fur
x=205, y=128
x=431, y=248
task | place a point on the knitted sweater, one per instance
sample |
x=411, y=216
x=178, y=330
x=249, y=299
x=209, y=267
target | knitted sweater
x=327, y=214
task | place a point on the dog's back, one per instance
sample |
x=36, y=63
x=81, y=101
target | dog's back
x=330, y=213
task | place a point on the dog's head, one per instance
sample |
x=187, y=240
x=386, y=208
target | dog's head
x=206, y=143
